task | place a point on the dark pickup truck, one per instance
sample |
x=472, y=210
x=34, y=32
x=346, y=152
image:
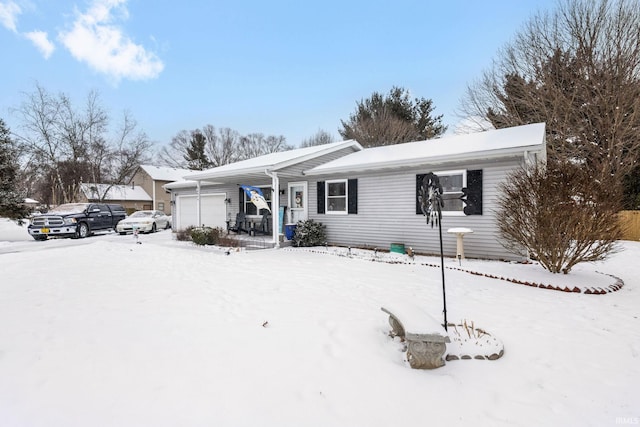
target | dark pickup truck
x=77, y=220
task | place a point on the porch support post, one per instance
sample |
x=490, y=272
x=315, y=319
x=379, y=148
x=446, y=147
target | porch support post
x=275, y=207
x=199, y=207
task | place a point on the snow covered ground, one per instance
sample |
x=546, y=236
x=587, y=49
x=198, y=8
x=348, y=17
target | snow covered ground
x=104, y=332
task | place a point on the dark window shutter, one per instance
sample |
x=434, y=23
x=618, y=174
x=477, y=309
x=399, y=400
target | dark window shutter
x=241, y=198
x=352, y=190
x=474, y=193
x=320, y=193
x=419, y=179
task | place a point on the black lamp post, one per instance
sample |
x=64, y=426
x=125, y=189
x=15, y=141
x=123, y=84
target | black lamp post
x=431, y=204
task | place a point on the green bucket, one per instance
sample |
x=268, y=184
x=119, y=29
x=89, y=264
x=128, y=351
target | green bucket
x=397, y=248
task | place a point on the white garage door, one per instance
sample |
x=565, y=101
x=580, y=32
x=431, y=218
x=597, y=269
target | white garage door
x=213, y=211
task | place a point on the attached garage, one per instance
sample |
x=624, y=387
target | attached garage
x=213, y=211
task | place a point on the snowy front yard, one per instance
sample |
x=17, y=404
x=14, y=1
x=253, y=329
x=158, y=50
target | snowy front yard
x=110, y=333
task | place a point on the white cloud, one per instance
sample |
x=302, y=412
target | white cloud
x=96, y=40
x=9, y=12
x=41, y=41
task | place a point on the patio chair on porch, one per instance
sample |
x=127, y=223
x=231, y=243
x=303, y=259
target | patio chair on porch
x=263, y=228
x=241, y=224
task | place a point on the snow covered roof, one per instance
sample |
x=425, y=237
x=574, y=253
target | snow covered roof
x=30, y=201
x=273, y=161
x=165, y=173
x=481, y=145
x=114, y=192
x=180, y=184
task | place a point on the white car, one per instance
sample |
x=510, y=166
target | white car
x=144, y=222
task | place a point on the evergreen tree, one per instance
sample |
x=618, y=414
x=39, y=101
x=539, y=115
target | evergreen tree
x=392, y=119
x=195, y=152
x=11, y=201
x=576, y=68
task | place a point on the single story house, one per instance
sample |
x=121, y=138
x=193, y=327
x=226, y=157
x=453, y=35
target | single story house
x=368, y=197
x=133, y=198
x=30, y=203
x=152, y=179
x=213, y=197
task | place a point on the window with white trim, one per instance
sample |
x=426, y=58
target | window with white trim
x=336, y=196
x=452, y=183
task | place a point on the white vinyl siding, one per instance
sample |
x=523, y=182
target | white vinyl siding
x=387, y=214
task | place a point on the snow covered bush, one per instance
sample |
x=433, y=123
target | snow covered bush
x=205, y=235
x=309, y=233
x=560, y=214
x=184, y=235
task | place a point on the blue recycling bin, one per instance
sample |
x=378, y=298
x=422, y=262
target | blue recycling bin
x=289, y=231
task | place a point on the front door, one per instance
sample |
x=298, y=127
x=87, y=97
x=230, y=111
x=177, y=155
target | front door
x=297, y=202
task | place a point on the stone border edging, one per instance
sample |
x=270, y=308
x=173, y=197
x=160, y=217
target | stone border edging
x=588, y=290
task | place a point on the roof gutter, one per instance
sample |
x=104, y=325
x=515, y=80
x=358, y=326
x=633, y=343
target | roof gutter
x=206, y=176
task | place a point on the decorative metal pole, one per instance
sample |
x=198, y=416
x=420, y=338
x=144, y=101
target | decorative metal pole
x=431, y=204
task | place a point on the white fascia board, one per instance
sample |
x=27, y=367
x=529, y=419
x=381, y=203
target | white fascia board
x=346, y=144
x=188, y=184
x=179, y=184
x=206, y=176
x=419, y=161
x=261, y=168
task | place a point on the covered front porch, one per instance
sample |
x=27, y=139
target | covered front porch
x=216, y=198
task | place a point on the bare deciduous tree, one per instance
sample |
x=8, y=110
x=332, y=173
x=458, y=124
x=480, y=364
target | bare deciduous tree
x=320, y=138
x=130, y=148
x=63, y=146
x=40, y=138
x=173, y=154
x=256, y=144
x=223, y=146
x=578, y=70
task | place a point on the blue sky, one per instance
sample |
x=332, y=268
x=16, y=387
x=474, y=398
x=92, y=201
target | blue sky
x=279, y=67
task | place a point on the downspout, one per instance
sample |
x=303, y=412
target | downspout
x=275, y=207
x=199, y=210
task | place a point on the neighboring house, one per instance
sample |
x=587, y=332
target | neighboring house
x=152, y=179
x=133, y=198
x=30, y=203
x=369, y=197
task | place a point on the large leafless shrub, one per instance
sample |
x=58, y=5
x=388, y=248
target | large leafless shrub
x=559, y=214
